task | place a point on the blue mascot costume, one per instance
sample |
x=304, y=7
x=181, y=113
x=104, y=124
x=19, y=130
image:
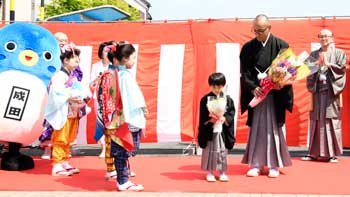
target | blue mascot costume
x=29, y=55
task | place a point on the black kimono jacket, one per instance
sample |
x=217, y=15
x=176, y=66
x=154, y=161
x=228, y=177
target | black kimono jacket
x=252, y=55
x=205, y=131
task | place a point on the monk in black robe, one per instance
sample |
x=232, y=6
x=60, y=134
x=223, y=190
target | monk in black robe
x=266, y=144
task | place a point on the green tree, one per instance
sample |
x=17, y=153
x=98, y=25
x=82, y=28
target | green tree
x=56, y=7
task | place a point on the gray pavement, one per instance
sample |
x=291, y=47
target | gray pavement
x=149, y=194
x=171, y=148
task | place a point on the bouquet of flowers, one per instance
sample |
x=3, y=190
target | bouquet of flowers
x=216, y=107
x=284, y=70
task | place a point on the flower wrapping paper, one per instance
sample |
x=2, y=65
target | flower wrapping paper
x=284, y=70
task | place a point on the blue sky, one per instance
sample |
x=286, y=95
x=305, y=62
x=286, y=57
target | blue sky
x=204, y=9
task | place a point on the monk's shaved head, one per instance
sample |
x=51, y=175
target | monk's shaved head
x=325, y=32
x=326, y=39
x=61, y=38
x=261, y=20
x=261, y=27
x=61, y=35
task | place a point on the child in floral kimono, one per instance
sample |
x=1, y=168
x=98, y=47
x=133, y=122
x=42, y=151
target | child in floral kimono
x=123, y=110
x=216, y=128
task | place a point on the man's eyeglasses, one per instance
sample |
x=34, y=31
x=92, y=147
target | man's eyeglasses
x=324, y=36
x=259, y=31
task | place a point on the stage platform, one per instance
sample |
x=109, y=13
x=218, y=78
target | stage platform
x=176, y=175
x=171, y=148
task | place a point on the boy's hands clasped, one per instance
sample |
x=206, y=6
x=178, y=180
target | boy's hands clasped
x=214, y=119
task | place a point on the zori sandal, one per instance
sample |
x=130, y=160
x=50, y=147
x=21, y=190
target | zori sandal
x=129, y=186
x=62, y=173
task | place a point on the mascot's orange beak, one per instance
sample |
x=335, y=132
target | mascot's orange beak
x=28, y=57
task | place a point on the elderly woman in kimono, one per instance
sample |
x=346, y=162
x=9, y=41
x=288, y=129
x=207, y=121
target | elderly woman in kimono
x=326, y=86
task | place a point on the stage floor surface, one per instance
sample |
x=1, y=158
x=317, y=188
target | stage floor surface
x=173, y=175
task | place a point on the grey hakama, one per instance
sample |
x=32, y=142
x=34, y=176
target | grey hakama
x=266, y=144
x=214, y=155
x=325, y=133
x=325, y=116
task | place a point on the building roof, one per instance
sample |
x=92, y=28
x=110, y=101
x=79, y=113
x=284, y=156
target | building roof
x=100, y=13
x=148, y=4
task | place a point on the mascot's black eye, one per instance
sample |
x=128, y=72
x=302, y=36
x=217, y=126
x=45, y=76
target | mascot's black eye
x=47, y=55
x=10, y=46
